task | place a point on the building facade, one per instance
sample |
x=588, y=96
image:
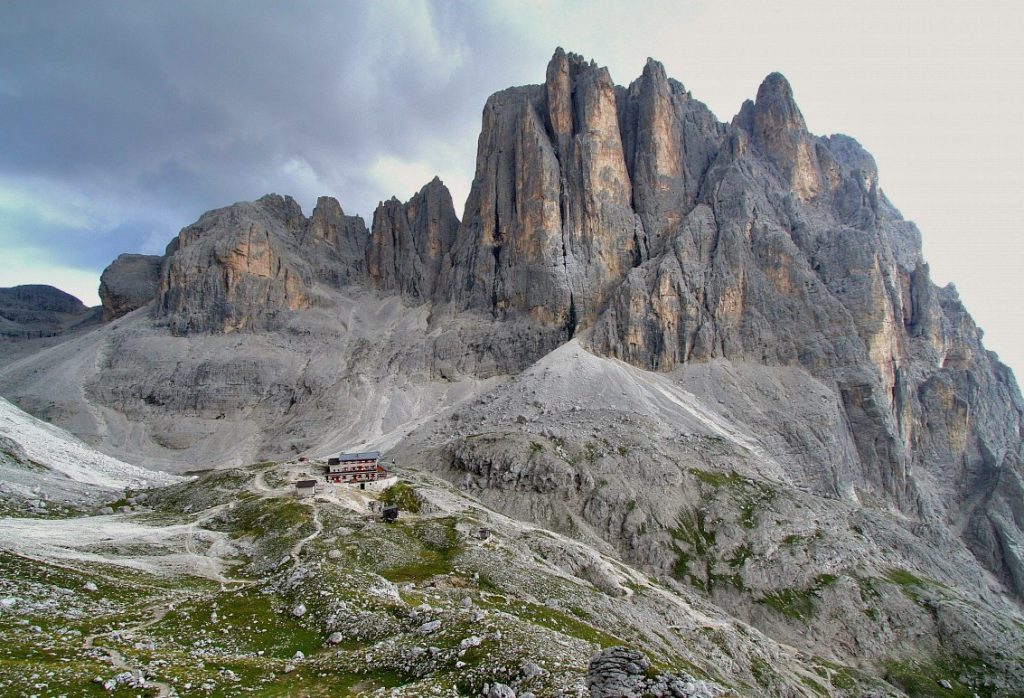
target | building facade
x=356, y=468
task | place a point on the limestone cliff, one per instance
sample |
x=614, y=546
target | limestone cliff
x=231, y=270
x=334, y=244
x=251, y=265
x=792, y=256
x=548, y=230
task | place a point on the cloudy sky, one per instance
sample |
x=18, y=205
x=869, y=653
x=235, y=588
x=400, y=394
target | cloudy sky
x=123, y=121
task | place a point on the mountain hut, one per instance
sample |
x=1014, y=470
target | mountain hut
x=356, y=468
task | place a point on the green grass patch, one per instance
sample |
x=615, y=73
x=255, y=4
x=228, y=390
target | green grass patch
x=692, y=539
x=813, y=685
x=692, y=529
x=565, y=623
x=402, y=495
x=740, y=555
x=921, y=679
x=910, y=585
x=749, y=495
x=797, y=603
x=262, y=517
x=436, y=545
x=246, y=622
x=716, y=479
x=904, y=578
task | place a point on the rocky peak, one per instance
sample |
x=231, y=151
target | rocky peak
x=548, y=229
x=408, y=241
x=335, y=244
x=326, y=212
x=236, y=268
x=775, y=108
x=285, y=209
x=656, y=154
x=778, y=129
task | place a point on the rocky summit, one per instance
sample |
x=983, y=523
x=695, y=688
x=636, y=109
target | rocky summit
x=694, y=373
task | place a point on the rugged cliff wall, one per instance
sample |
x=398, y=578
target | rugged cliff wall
x=408, y=241
x=250, y=265
x=577, y=181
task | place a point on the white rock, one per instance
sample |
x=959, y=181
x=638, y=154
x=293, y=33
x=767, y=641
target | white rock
x=500, y=690
x=429, y=627
x=530, y=670
x=472, y=641
x=299, y=610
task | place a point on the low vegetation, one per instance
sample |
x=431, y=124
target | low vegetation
x=402, y=495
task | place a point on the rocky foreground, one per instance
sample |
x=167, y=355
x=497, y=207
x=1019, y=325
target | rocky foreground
x=228, y=585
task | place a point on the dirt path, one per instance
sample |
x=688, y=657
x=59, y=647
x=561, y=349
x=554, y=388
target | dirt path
x=259, y=485
x=318, y=529
x=117, y=660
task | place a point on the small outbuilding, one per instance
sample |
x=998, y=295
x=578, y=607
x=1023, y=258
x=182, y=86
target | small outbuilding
x=305, y=489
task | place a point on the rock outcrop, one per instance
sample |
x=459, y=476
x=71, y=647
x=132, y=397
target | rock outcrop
x=335, y=244
x=620, y=672
x=548, y=230
x=577, y=181
x=793, y=257
x=250, y=266
x=129, y=283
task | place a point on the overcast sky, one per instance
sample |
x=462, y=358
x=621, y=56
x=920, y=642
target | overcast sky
x=123, y=121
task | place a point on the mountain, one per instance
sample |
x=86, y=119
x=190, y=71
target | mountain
x=34, y=311
x=709, y=350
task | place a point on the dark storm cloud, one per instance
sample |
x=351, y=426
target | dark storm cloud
x=148, y=114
